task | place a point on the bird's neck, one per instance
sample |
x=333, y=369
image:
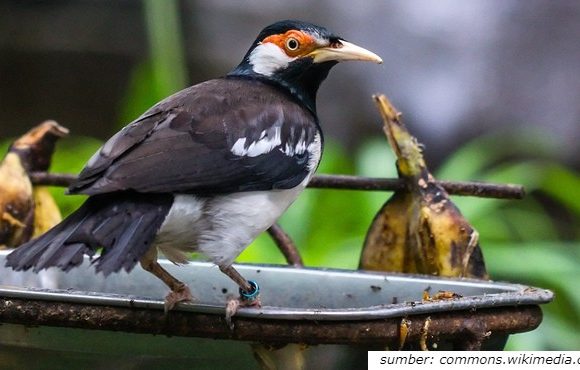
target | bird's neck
x=299, y=81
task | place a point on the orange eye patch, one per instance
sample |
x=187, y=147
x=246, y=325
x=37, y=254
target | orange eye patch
x=294, y=43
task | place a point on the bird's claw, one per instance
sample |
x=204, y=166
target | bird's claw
x=181, y=294
x=232, y=306
x=251, y=299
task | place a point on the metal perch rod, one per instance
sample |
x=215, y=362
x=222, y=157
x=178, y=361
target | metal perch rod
x=345, y=182
x=284, y=242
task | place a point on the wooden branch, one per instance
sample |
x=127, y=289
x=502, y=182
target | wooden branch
x=286, y=245
x=52, y=179
x=476, y=189
x=347, y=182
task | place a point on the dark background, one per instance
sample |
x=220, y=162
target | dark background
x=456, y=69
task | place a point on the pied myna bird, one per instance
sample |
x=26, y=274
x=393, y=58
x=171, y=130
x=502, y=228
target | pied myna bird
x=205, y=170
x=26, y=210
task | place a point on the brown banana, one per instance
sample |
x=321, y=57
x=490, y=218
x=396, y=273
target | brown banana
x=419, y=229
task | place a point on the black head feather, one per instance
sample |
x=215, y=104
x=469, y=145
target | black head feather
x=289, y=24
x=301, y=78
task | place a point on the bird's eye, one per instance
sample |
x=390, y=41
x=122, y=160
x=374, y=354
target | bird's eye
x=292, y=44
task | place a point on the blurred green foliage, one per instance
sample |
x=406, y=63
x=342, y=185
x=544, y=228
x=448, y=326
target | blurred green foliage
x=165, y=71
x=533, y=241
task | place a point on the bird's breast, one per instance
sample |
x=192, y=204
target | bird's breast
x=222, y=226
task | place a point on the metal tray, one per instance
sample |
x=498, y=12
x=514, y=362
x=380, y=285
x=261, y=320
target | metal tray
x=313, y=306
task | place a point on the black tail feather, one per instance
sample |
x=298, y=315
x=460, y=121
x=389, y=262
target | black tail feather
x=29, y=254
x=53, y=248
x=123, y=224
x=131, y=244
x=73, y=255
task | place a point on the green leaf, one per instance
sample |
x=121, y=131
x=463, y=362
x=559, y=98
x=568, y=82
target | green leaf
x=562, y=184
x=552, y=265
x=471, y=160
x=166, y=45
x=165, y=71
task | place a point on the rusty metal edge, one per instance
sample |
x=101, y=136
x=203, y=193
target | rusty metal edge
x=527, y=296
x=455, y=325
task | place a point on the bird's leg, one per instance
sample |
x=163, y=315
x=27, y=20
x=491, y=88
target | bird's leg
x=179, y=291
x=249, y=293
x=236, y=277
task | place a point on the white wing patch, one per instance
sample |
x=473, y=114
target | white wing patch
x=315, y=152
x=300, y=147
x=267, y=143
x=264, y=145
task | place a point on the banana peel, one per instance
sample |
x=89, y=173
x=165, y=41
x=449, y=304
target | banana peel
x=16, y=202
x=419, y=229
x=27, y=211
x=46, y=211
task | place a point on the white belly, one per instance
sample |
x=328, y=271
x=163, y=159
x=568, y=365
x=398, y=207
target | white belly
x=220, y=227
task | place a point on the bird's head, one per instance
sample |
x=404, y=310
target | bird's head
x=298, y=56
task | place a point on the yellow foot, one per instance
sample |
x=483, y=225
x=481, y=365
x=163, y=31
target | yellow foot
x=233, y=304
x=181, y=294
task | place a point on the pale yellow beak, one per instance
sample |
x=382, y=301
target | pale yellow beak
x=344, y=51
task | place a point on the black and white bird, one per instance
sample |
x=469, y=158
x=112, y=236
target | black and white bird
x=205, y=170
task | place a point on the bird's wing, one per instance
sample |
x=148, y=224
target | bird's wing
x=217, y=137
